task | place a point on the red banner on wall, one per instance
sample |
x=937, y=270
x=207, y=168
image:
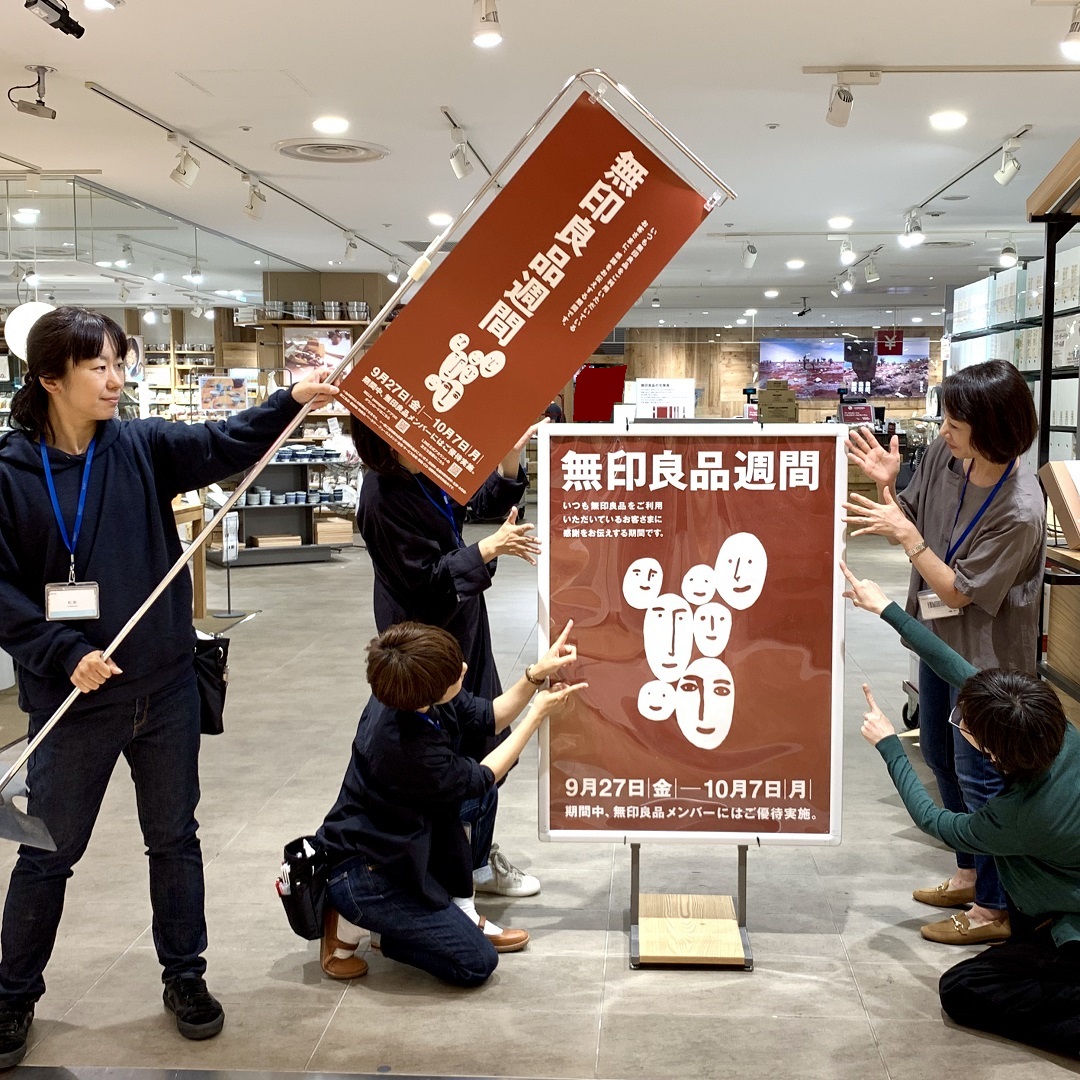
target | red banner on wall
x=889, y=343
x=575, y=237
x=700, y=569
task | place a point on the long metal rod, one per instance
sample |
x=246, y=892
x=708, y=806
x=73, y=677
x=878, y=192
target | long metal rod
x=1018, y=134
x=416, y=272
x=116, y=99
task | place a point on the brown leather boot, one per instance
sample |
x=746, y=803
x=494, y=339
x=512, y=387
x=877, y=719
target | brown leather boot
x=337, y=967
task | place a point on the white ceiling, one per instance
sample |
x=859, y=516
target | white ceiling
x=717, y=72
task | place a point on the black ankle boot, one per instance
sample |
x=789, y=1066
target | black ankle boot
x=199, y=1014
x=15, y=1023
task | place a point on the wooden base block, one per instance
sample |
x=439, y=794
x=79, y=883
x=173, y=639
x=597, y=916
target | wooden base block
x=679, y=929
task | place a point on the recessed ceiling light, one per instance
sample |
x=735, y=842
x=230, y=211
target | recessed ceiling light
x=26, y=215
x=840, y=222
x=258, y=262
x=795, y=264
x=771, y=294
x=916, y=318
x=740, y=322
x=440, y=219
x=875, y=327
x=103, y=263
x=889, y=312
x=727, y=326
x=954, y=198
x=330, y=125
x=750, y=312
x=949, y=120
x=659, y=322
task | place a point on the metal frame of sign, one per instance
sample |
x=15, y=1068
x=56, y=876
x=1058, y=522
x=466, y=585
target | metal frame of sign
x=550, y=433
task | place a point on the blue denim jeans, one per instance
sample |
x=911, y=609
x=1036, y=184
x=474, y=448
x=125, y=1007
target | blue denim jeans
x=966, y=779
x=479, y=816
x=444, y=943
x=66, y=780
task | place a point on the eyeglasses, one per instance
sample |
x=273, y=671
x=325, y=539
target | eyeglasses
x=957, y=720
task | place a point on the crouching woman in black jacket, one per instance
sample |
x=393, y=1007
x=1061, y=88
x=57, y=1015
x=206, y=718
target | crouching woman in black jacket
x=85, y=497
x=401, y=860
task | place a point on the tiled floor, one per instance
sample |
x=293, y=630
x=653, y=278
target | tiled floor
x=844, y=986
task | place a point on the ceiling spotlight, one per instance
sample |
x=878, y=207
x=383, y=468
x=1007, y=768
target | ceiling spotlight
x=795, y=264
x=208, y=314
x=126, y=257
x=196, y=277
x=655, y=300
x=916, y=318
x=33, y=181
x=352, y=247
x=1008, y=257
x=834, y=291
x=750, y=312
x=847, y=253
x=31, y=279
x=749, y=256
x=187, y=167
x=949, y=120
x=847, y=282
x=256, y=200
x=166, y=315
x=840, y=102
x=122, y=296
x=870, y=271
x=149, y=316
x=839, y=224
x=740, y=322
x=487, y=33
x=330, y=125
x=1010, y=166
x=912, y=236
x=393, y=275
x=771, y=294
x=197, y=311
x=459, y=156
x=55, y=14
x=806, y=309
x=1070, y=44
x=102, y=5
x=440, y=219
x=158, y=275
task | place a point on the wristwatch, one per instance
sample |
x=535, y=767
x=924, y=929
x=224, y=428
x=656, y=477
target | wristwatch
x=535, y=682
x=912, y=552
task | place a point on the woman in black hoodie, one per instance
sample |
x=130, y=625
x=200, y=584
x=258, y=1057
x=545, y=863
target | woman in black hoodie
x=85, y=497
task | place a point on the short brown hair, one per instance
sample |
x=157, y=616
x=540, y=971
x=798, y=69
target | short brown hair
x=411, y=666
x=995, y=400
x=1015, y=718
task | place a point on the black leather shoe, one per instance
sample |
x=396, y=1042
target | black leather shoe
x=199, y=1014
x=15, y=1024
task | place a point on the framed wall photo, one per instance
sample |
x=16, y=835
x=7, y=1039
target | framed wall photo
x=699, y=563
x=217, y=393
x=135, y=360
x=314, y=348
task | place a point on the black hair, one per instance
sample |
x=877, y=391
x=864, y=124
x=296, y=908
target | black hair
x=375, y=452
x=57, y=341
x=1015, y=718
x=995, y=400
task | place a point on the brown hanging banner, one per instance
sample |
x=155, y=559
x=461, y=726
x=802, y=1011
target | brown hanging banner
x=574, y=238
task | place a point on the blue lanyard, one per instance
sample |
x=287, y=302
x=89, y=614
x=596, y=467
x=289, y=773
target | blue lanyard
x=446, y=510
x=68, y=543
x=434, y=723
x=954, y=548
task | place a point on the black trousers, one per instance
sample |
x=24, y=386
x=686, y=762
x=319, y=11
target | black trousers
x=1027, y=989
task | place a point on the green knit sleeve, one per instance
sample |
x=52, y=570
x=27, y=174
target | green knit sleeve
x=947, y=663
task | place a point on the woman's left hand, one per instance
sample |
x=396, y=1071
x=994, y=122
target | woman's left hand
x=557, y=657
x=876, y=725
x=881, y=519
x=314, y=387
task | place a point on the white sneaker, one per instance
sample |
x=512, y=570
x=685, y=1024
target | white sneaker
x=503, y=878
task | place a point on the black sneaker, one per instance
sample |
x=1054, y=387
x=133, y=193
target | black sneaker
x=14, y=1026
x=199, y=1014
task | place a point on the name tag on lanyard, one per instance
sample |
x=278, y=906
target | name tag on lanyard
x=71, y=599
x=931, y=607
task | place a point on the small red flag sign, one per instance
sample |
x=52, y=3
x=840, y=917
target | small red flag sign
x=890, y=343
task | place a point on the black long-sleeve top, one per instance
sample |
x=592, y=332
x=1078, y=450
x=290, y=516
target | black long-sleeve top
x=399, y=804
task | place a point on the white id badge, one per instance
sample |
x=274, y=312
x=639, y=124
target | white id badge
x=71, y=600
x=931, y=606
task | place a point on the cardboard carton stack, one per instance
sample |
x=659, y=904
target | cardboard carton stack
x=777, y=404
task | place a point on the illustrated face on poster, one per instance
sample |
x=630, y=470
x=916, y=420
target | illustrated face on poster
x=705, y=702
x=699, y=584
x=656, y=700
x=741, y=567
x=712, y=629
x=669, y=636
x=642, y=582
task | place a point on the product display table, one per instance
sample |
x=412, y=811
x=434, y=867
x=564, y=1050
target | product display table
x=193, y=515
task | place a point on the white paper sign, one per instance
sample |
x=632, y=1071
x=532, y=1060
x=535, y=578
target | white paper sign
x=230, y=532
x=665, y=399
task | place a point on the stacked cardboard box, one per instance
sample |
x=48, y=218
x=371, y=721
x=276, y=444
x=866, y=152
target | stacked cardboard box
x=333, y=530
x=777, y=404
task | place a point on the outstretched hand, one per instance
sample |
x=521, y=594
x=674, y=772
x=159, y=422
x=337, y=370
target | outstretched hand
x=881, y=519
x=314, y=386
x=553, y=700
x=864, y=593
x=876, y=725
x=510, y=539
x=557, y=657
x=878, y=464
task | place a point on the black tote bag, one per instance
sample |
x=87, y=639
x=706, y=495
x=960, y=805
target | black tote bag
x=212, y=675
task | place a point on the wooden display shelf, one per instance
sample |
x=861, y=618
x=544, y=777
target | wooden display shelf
x=268, y=556
x=316, y=322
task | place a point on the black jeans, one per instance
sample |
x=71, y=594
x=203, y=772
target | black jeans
x=66, y=781
x=1027, y=989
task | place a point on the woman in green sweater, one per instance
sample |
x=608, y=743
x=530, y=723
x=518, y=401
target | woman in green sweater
x=1029, y=988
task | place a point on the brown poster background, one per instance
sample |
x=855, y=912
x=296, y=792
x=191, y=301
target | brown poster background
x=780, y=652
x=503, y=384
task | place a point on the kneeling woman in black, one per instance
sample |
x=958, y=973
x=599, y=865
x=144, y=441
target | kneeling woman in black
x=401, y=860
